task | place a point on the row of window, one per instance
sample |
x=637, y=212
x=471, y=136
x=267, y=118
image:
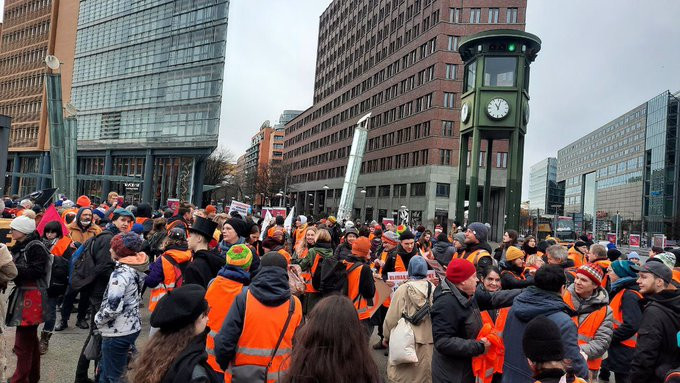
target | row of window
x=401, y=161
x=16, y=15
x=336, y=172
x=23, y=59
x=21, y=109
x=476, y=15
x=21, y=36
x=402, y=136
x=338, y=136
x=30, y=82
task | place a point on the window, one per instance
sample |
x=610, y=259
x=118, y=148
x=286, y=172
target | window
x=511, y=16
x=384, y=191
x=470, y=75
x=501, y=160
x=450, y=71
x=447, y=128
x=493, y=15
x=454, y=15
x=400, y=190
x=500, y=71
x=370, y=191
x=475, y=15
x=449, y=100
x=443, y=190
x=482, y=157
x=453, y=43
x=445, y=156
x=418, y=189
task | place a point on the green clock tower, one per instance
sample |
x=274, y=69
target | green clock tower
x=494, y=106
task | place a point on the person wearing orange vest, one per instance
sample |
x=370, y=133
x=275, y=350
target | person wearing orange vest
x=302, y=248
x=256, y=338
x=626, y=312
x=598, y=255
x=273, y=245
x=477, y=250
x=390, y=242
x=543, y=348
x=578, y=253
x=309, y=265
x=298, y=234
x=143, y=217
x=594, y=318
x=495, y=318
x=360, y=283
x=513, y=275
x=165, y=274
x=222, y=291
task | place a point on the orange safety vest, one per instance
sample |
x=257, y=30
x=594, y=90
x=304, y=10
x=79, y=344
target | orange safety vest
x=61, y=246
x=300, y=233
x=169, y=276
x=474, y=256
x=604, y=264
x=617, y=314
x=285, y=255
x=520, y=277
x=220, y=295
x=308, y=282
x=272, y=230
x=498, y=326
x=262, y=327
x=676, y=275
x=484, y=366
x=576, y=256
x=353, y=278
x=588, y=328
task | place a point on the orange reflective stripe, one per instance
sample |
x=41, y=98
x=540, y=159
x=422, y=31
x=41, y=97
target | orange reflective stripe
x=169, y=277
x=617, y=315
x=588, y=328
x=285, y=255
x=498, y=326
x=220, y=296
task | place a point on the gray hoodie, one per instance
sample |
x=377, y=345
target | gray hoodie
x=603, y=337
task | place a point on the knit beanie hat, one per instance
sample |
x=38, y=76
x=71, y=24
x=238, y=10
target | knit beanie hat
x=361, y=247
x=270, y=243
x=633, y=255
x=479, y=230
x=406, y=234
x=240, y=256
x=441, y=237
x=541, y=341
x=460, y=237
x=401, y=229
x=332, y=219
x=179, y=308
x=623, y=270
x=351, y=230
x=592, y=271
x=273, y=258
x=390, y=237
x=83, y=201
x=210, y=209
x=126, y=244
x=667, y=258
x=23, y=224
x=513, y=253
x=302, y=219
x=138, y=228
x=613, y=254
x=417, y=267
x=459, y=270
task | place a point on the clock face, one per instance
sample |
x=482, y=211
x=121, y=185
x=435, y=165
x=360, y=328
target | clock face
x=465, y=113
x=497, y=108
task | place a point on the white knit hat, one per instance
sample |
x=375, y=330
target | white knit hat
x=23, y=224
x=67, y=204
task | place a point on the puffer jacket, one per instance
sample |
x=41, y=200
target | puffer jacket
x=456, y=321
x=119, y=311
x=528, y=305
x=584, y=307
x=657, y=350
x=443, y=252
x=33, y=266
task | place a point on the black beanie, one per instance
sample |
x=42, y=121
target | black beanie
x=179, y=308
x=613, y=254
x=273, y=258
x=442, y=238
x=240, y=227
x=541, y=341
x=406, y=235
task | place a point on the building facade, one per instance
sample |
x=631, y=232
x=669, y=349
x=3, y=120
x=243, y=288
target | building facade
x=33, y=29
x=147, y=86
x=625, y=171
x=398, y=60
x=544, y=194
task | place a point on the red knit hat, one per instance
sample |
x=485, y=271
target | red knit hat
x=210, y=209
x=361, y=247
x=460, y=270
x=592, y=272
x=83, y=201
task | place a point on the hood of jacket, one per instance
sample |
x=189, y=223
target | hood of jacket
x=440, y=247
x=179, y=254
x=324, y=251
x=534, y=301
x=669, y=301
x=235, y=274
x=482, y=245
x=212, y=257
x=270, y=286
x=77, y=223
x=594, y=302
x=139, y=262
x=416, y=290
x=623, y=283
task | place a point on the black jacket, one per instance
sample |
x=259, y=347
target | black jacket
x=510, y=278
x=456, y=321
x=204, y=267
x=191, y=366
x=443, y=252
x=657, y=349
x=270, y=287
x=482, y=262
x=103, y=264
x=343, y=251
x=620, y=356
x=34, y=267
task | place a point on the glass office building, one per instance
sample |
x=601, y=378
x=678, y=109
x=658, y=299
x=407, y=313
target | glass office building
x=544, y=193
x=147, y=85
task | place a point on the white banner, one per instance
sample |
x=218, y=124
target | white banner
x=240, y=207
x=288, y=223
x=268, y=219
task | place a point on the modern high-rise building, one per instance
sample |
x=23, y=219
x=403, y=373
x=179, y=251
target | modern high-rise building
x=398, y=60
x=544, y=193
x=147, y=85
x=627, y=171
x=33, y=29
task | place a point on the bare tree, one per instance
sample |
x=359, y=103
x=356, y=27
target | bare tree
x=219, y=171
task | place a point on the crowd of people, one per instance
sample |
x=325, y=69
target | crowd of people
x=238, y=299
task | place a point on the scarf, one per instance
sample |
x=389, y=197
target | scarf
x=224, y=247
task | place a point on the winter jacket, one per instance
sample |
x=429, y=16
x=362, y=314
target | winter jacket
x=376, y=248
x=191, y=365
x=584, y=307
x=618, y=355
x=8, y=271
x=78, y=233
x=366, y=281
x=156, y=275
x=104, y=265
x=531, y=303
x=482, y=262
x=322, y=249
x=204, y=267
x=119, y=311
x=510, y=278
x=270, y=287
x=343, y=251
x=443, y=252
x=391, y=261
x=336, y=234
x=657, y=349
x=456, y=321
x=32, y=261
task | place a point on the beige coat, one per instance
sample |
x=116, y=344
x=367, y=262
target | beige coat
x=407, y=299
x=77, y=235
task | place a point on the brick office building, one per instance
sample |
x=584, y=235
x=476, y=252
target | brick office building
x=398, y=60
x=32, y=30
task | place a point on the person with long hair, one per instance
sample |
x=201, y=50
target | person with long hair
x=177, y=353
x=424, y=246
x=302, y=247
x=491, y=282
x=529, y=246
x=509, y=239
x=322, y=249
x=329, y=348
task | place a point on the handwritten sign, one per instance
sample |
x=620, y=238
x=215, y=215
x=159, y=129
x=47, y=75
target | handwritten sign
x=399, y=277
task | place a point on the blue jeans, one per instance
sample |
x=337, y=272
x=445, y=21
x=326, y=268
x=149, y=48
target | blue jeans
x=115, y=357
x=51, y=314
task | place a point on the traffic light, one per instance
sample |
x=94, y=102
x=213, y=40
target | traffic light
x=511, y=47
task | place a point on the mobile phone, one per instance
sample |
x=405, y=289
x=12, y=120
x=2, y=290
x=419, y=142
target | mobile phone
x=120, y=201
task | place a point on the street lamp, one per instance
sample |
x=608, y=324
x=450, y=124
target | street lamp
x=325, y=197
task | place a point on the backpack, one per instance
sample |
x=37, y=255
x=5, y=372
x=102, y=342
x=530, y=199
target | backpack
x=60, y=275
x=331, y=276
x=179, y=270
x=83, y=266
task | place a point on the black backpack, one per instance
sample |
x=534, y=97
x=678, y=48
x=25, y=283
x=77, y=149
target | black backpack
x=179, y=270
x=331, y=276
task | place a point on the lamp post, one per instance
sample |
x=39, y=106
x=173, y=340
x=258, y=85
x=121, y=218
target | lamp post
x=363, y=191
x=556, y=212
x=325, y=196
